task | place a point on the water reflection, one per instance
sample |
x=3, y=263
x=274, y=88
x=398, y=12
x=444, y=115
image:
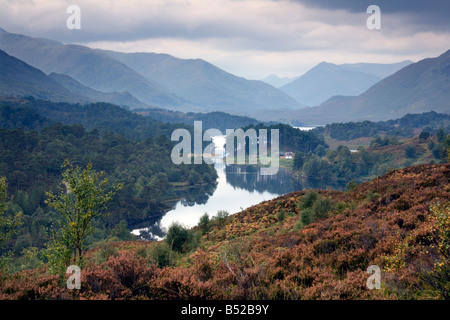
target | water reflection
x=238, y=187
x=250, y=179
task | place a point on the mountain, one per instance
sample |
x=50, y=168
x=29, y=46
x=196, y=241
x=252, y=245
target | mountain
x=327, y=80
x=89, y=67
x=119, y=98
x=420, y=87
x=276, y=81
x=205, y=84
x=20, y=79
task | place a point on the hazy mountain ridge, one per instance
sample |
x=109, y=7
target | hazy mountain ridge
x=89, y=67
x=207, y=85
x=327, y=80
x=420, y=87
x=119, y=98
x=20, y=79
x=277, y=81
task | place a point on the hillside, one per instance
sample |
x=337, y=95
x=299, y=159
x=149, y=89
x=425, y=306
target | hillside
x=120, y=98
x=101, y=116
x=303, y=245
x=420, y=87
x=327, y=80
x=205, y=84
x=20, y=79
x=89, y=67
x=216, y=119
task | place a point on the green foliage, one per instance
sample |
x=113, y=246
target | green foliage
x=292, y=139
x=381, y=142
x=121, y=232
x=441, y=216
x=440, y=135
x=204, y=223
x=313, y=207
x=83, y=199
x=178, y=237
x=399, y=127
x=162, y=255
x=309, y=199
x=105, y=252
x=31, y=162
x=307, y=216
x=298, y=160
x=8, y=225
x=424, y=136
x=410, y=151
x=220, y=218
x=351, y=186
x=281, y=216
x=371, y=196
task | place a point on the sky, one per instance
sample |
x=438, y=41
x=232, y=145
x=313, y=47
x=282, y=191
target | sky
x=249, y=38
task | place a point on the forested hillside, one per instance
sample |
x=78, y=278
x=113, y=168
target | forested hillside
x=33, y=150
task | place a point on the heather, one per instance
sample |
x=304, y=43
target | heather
x=399, y=221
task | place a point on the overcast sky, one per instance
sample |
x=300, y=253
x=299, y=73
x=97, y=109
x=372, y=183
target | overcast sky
x=249, y=38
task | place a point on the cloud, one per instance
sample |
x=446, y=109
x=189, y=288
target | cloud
x=252, y=38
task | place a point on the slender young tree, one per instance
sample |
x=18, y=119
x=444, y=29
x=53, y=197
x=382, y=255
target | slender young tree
x=83, y=198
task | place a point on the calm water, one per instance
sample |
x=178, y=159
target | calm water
x=238, y=187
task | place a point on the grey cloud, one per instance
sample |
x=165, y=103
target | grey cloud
x=432, y=14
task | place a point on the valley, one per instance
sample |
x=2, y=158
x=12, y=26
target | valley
x=117, y=163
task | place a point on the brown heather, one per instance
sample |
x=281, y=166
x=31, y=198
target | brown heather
x=258, y=255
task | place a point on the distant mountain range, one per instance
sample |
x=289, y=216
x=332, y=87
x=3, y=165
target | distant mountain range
x=206, y=85
x=419, y=87
x=89, y=67
x=327, y=80
x=50, y=70
x=153, y=79
x=277, y=81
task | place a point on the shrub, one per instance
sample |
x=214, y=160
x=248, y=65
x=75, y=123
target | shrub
x=321, y=208
x=281, y=215
x=219, y=218
x=204, y=223
x=162, y=255
x=410, y=151
x=178, y=237
x=309, y=199
x=307, y=216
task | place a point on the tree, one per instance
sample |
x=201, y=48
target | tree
x=8, y=224
x=410, y=151
x=424, y=135
x=204, y=223
x=298, y=160
x=440, y=135
x=178, y=237
x=84, y=198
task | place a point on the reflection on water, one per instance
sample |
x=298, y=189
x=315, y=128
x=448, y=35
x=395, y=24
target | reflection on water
x=250, y=179
x=237, y=188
